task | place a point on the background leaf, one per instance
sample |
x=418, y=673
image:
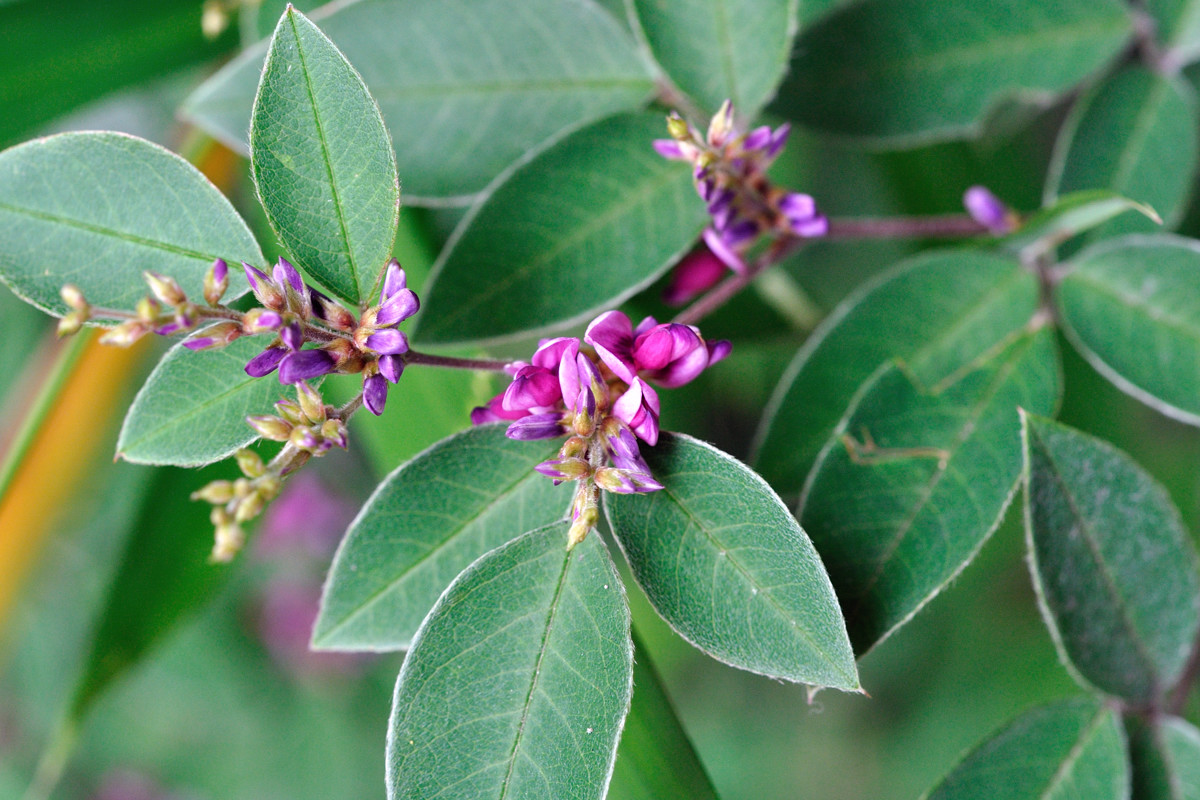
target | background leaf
x=98, y=209
x=518, y=681
x=1165, y=755
x=1070, y=749
x=426, y=523
x=1178, y=27
x=1115, y=569
x=721, y=49
x=192, y=409
x=600, y=203
x=723, y=561
x=1070, y=216
x=466, y=86
x=1134, y=133
x=902, y=72
x=968, y=299
x=916, y=476
x=1132, y=307
x=323, y=162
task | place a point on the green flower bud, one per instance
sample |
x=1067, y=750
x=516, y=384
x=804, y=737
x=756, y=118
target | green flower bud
x=250, y=463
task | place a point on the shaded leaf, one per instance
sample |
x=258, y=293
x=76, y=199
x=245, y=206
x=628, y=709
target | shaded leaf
x=323, y=162
x=1178, y=27
x=426, y=523
x=1071, y=749
x=916, y=476
x=723, y=561
x=721, y=49
x=192, y=409
x=1132, y=306
x=1165, y=755
x=968, y=301
x=99, y=209
x=600, y=203
x=1070, y=216
x=1114, y=567
x=904, y=72
x=466, y=86
x=519, y=679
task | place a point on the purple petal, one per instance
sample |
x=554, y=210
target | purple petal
x=200, y=343
x=374, y=393
x=255, y=277
x=399, y=306
x=220, y=270
x=292, y=337
x=778, y=139
x=718, y=350
x=394, y=280
x=265, y=362
x=391, y=367
x=758, y=138
x=494, y=411
x=796, y=206
x=811, y=228
x=550, y=352
x=388, y=341
x=669, y=148
x=305, y=365
x=716, y=243
x=611, y=334
x=536, y=426
x=638, y=408
x=740, y=232
x=533, y=387
x=698, y=272
x=285, y=274
x=987, y=209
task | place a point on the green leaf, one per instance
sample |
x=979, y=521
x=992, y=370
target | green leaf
x=1134, y=133
x=423, y=525
x=906, y=72
x=1071, y=749
x=1132, y=307
x=917, y=475
x=721, y=49
x=1165, y=754
x=192, y=409
x=466, y=86
x=99, y=209
x=655, y=760
x=1178, y=27
x=723, y=561
x=1070, y=216
x=578, y=228
x=323, y=162
x=1114, y=567
x=968, y=299
x=519, y=679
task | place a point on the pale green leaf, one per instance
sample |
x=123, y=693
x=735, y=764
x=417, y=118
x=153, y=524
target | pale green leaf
x=423, y=525
x=518, y=681
x=917, y=475
x=1115, y=568
x=99, y=209
x=726, y=564
x=323, y=162
x=1070, y=216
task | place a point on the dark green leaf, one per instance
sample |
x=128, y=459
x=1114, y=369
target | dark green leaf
x=1178, y=27
x=192, y=409
x=1132, y=306
x=425, y=523
x=903, y=72
x=578, y=228
x=323, y=162
x=1165, y=754
x=519, y=679
x=1134, y=133
x=721, y=49
x=99, y=209
x=724, y=562
x=1115, y=569
x=1072, y=749
x=466, y=86
x=937, y=313
x=1070, y=216
x=917, y=475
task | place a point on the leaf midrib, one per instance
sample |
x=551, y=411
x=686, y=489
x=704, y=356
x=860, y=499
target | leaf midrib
x=193, y=410
x=1073, y=755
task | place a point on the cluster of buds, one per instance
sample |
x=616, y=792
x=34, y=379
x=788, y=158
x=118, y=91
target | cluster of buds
x=306, y=428
x=730, y=171
x=165, y=311
x=599, y=393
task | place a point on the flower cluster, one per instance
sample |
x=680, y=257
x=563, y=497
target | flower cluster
x=729, y=167
x=599, y=391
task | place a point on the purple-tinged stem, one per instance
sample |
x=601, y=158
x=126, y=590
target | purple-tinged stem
x=346, y=411
x=723, y=292
x=429, y=360
x=947, y=226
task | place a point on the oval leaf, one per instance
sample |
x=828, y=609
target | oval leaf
x=519, y=679
x=1072, y=749
x=904, y=72
x=99, y=209
x=426, y=523
x=968, y=300
x=721, y=49
x=916, y=476
x=724, y=562
x=323, y=162
x=1070, y=216
x=466, y=86
x=1132, y=307
x=600, y=203
x=192, y=409
x=1115, y=569
x=1134, y=133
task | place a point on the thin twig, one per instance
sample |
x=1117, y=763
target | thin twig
x=948, y=226
x=430, y=360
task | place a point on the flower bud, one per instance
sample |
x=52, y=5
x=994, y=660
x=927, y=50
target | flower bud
x=165, y=288
x=228, y=541
x=126, y=333
x=72, y=322
x=311, y=403
x=261, y=320
x=250, y=507
x=584, y=522
x=721, y=125
x=304, y=438
x=334, y=432
x=216, y=493
x=269, y=427
x=250, y=463
x=290, y=411
x=574, y=447
x=213, y=336
x=678, y=128
x=567, y=469
x=216, y=282
x=148, y=309
x=73, y=297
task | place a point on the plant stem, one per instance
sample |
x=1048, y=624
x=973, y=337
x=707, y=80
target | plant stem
x=429, y=360
x=723, y=292
x=946, y=226
x=1177, y=699
x=346, y=411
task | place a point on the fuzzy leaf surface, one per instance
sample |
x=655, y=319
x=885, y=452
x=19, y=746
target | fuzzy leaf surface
x=725, y=563
x=519, y=679
x=99, y=209
x=426, y=523
x=1115, y=569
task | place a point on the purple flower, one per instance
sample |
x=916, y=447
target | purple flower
x=988, y=210
x=495, y=411
x=265, y=362
x=611, y=334
x=669, y=354
x=638, y=408
x=388, y=341
x=286, y=275
x=696, y=273
x=396, y=301
x=722, y=249
x=391, y=367
x=374, y=393
x=305, y=365
x=532, y=387
x=537, y=426
x=803, y=219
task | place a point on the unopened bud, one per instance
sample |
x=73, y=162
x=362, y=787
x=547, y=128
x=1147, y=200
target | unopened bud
x=73, y=297
x=311, y=403
x=334, y=432
x=250, y=507
x=126, y=333
x=334, y=314
x=148, y=309
x=305, y=438
x=261, y=320
x=228, y=541
x=574, y=447
x=583, y=523
x=566, y=469
x=216, y=282
x=584, y=423
x=213, y=336
x=216, y=493
x=72, y=322
x=165, y=289
x=250, y=463
x=721, y=125
x=290, y=411
x=678, y=128
x=268, y=427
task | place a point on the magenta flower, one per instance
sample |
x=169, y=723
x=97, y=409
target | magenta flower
x=378, y=332
x=669, y=354
x=696, y=273
x=989, y=210
x=638, y=408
